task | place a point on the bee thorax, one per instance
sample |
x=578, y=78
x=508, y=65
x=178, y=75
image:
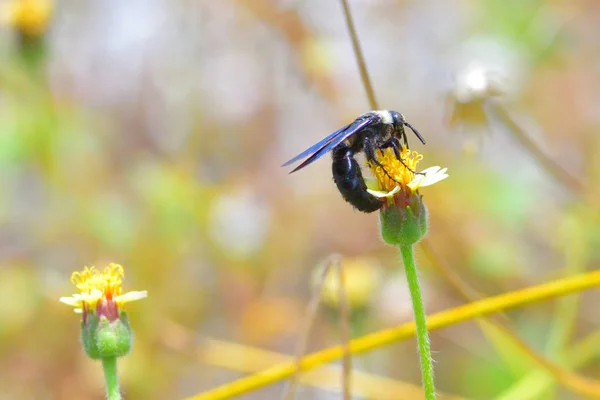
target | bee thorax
x=386, y=116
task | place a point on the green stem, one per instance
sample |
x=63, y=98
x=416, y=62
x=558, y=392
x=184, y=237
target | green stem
x=420, y=321
x=111, y=378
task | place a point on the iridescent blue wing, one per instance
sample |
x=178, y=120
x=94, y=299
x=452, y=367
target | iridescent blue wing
x=331, y=141
x=315, y=147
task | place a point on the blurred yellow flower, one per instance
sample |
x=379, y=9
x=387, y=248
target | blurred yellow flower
x=100, y=292
x=29, y=17
x=399, y=177
x=362, y=279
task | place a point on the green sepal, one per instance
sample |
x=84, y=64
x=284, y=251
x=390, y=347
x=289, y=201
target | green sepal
x=404, y=226
x=114, y=338
x=88, y=336
x=102, y=338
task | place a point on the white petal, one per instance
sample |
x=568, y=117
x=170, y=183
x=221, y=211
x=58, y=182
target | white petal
x=428, y=177
x=131, y=296
x=91, y=297
x=416, y=182
x=432, y=170
x=434, y=179
x=382, y=194
x=71, y=301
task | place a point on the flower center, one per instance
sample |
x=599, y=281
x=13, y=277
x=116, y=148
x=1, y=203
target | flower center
x=396, y=171
x=108, y=281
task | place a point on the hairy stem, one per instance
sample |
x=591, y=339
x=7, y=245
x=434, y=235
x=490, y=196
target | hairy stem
x=420, y=321
x=109, y=365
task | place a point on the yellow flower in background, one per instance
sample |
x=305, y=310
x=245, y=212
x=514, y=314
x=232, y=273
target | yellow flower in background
x=30, y=17
x=362, y=280
x=100, y=291
x=105, y=330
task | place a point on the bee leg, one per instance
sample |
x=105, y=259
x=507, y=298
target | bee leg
x=403, y=137
x=403, y=131
x=369, y=150
x=394, y=143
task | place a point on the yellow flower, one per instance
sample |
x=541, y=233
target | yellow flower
x=30, y=17
x=399, y=177
x=362, y=280
x=403, y=216
x=100, y=292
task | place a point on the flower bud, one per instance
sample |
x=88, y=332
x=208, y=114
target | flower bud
x=105, y=329
x=404, y=225
x=102, y=338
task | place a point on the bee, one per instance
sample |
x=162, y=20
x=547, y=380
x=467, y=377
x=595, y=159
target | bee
x=372, y=131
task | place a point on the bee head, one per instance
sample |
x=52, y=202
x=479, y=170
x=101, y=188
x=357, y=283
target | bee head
x=399, y=123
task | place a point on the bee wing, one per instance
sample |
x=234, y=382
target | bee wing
x=331, y=141
x=315, y=147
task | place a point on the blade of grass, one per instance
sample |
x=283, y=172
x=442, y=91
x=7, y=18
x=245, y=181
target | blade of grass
x=344, y=332
x=537, y=382
x=312, y=309
x=384, y=337
x=360, y=58
x=243, y=358
x=554, y=169
x=237, y=357
x=575, y=245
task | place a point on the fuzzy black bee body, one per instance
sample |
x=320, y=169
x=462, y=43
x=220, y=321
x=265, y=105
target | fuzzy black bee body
x=349, y=180
x=375, y=130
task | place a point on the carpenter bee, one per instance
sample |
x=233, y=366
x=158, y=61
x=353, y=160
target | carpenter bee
x=375, y=130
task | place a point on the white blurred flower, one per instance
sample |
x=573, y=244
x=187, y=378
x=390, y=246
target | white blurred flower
x=239, y=223
x=487, y=68
x=477, y=82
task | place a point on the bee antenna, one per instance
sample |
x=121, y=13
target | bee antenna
x=416, y=132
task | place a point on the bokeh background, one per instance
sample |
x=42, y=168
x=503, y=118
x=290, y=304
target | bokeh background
x=151, y=133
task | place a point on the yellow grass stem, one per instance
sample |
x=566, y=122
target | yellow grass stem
x=560, y=287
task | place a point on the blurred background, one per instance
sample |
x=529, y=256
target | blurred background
x=150, y=133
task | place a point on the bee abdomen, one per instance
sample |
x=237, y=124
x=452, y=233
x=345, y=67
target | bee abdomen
x=349, y=181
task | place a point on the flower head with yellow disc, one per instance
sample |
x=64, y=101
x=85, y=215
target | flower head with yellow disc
x=100, y=292
x=403, y=216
